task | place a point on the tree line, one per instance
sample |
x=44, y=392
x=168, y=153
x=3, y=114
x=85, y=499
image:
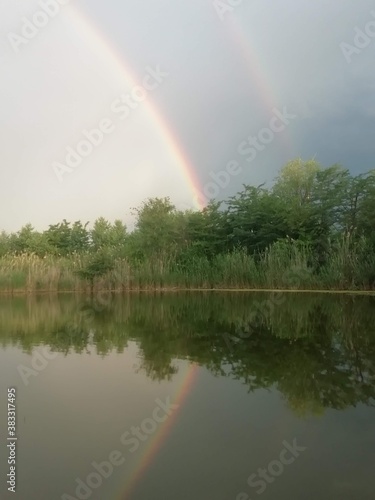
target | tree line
x=315, y=221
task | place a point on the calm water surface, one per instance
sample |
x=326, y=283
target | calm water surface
x=190, y=397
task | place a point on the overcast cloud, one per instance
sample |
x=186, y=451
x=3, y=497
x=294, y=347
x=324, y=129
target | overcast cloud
x=224, y=73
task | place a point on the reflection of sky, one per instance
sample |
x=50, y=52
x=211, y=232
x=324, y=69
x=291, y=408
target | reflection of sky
x=74, y=412
x=215, y=96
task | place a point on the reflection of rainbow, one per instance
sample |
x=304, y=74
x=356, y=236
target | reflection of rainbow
x=156, y=441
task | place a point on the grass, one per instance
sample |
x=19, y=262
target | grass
x=284, y=266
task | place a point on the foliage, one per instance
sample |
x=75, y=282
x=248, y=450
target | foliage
x=314, y=222
x=97, y=265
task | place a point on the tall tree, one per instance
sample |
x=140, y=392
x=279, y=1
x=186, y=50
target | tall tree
x=156, y=231
x=257, y=218
x=294, y=187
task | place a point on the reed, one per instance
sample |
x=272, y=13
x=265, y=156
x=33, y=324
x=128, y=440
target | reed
x=286, y=264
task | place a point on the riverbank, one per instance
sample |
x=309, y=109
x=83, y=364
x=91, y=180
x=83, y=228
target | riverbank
x=22, y=293
x=282, y=268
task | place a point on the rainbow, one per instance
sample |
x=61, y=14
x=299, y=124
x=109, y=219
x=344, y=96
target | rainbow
x=96, y=40
x=257, y=73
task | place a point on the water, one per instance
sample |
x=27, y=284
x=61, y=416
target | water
x=190, y=397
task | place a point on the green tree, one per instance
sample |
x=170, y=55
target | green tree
x=294, y=187
x=257, y=218
x=156, y=231
x=328, y=198
x=79, y=237
x=359, y=205
x=100, y=234
x=207, y=230
x=4, y=243
x=59, y=237
x=366, y=218
x=96, y=266
x=28, y=240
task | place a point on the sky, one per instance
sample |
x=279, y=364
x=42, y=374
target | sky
x=105, y=104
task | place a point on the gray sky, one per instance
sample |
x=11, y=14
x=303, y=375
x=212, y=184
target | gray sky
x=222, y=72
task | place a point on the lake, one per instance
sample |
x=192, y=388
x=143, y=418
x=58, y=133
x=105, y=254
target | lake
x=199, y=396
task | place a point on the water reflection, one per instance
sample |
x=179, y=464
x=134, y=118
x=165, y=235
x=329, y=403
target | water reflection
x=317, y=350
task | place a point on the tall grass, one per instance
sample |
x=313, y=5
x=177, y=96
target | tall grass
x=30, y=273
x=284, y=265
x=350, y=266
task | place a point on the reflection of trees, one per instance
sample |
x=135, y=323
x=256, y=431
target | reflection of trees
x=317, y=350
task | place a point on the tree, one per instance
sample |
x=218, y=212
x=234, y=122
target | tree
x=156, y=231
x=97, y=265
x=4, y=243
x=257, y=218
x=21, y=241
x=100, y=233
x=79, y=237
x=113, y=237
x=207, y=230
x=366, y=217
x=58, y=236
x=359, y=205
x=328, y=196
x=294, y=187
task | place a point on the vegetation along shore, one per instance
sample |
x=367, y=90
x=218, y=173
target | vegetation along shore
x=313, y=229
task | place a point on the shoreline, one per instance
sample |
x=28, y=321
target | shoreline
x=21, y=293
